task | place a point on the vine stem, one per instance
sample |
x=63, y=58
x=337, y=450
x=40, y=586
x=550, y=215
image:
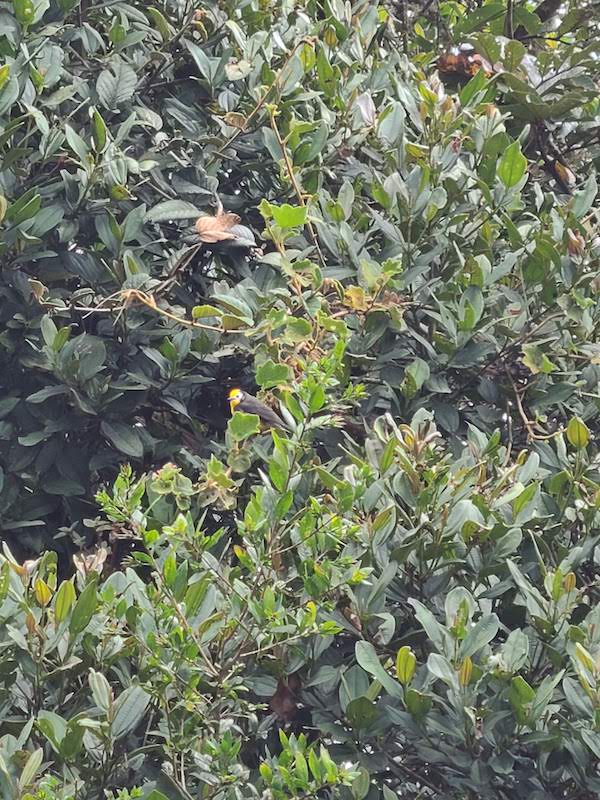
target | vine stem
x=128, y=295
x=261, y=102
x=529, y=425
x=290, y=170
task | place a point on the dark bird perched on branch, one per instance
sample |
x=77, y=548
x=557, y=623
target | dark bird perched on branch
x=251, y=405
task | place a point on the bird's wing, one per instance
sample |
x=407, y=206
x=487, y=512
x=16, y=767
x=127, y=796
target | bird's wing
x=271, y=418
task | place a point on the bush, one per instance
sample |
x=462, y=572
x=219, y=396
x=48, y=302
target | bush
x=397, y=595
x=369, y=628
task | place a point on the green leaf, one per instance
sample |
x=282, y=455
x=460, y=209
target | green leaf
x=206, y=66
x=77, y=145
x=129, y=709
x=194, y=596
x=584, y=198
x=116, y=86
x=101, y=690
x=24, y=11
x=65, y=597
x=440, y=667
x=476, y=20
x=416, y=375
x=30, y=770
x=172, y=210
x=278, y=475
x=578, y=433
x=53, y=727
x=170, y=569
x=124, y=437
x=536, y=360
x=515, y=651
x=530, y=21
x=298, y=329
x=99, y=131
x=301, y=769
x=242, y=425
x=521, y=690
x=367, y=658
x=20, y=212
x=592, y=740
x=46, y=393
x=465, y=518
x=325, y=73
x=201, y=312
x=513, y=55
x=287, y=216
x=391, y=123
x=270, y=374
x=317, y=399
x=417, y=703
x=162, y=26
x=63, y=486
x=512, y=165
x=362, y=783
x=479, y=636
x=477, y=84
x=84, y=609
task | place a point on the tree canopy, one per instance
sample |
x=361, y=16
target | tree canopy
x=382, y=218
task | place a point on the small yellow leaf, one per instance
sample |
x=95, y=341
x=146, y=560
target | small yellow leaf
x=43, y=595
x=570, y=581
x=578, y=433
x=355, y=298
x=465, y=672
x=406, y=662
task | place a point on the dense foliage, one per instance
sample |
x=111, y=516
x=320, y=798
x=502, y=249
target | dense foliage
x=398, y=595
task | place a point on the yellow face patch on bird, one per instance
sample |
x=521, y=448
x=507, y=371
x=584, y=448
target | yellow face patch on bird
x=235, y=398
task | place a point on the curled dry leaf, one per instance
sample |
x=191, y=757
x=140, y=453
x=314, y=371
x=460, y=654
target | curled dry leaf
x=235, y=120
x=564, y=174
x=575, y=243
x=38, y=289
x=91, y=562
x=216, y=229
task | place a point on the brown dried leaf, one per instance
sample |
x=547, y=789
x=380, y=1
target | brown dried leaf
x=91, y=562
x=235, y=120
x=575, y=243
x=216, y=229
x=564, y=174
x=284, y=702
x=37, y=289
x=356, y=298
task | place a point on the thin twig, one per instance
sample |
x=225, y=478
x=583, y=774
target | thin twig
x=290, y=170
x=261, y=102
x=126, y=296
x=158, y=68
x=529, y=425
x=179, y=266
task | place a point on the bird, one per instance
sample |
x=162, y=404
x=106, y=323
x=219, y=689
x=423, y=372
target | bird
x=251, y=405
